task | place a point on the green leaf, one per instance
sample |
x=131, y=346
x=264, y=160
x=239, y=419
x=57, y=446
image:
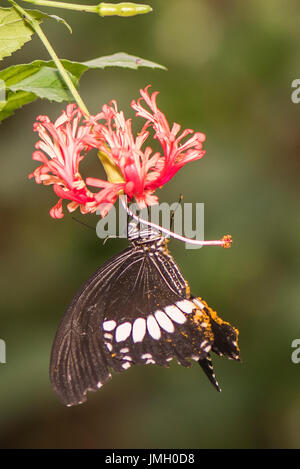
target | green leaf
x=16, y=73
x=35, y=82
x=121, y=59
x=2, y=105
x=40, y=79
x=2, y=94
x=45, y=83
x=15, y=101
x=56, y=18
x=15, y=31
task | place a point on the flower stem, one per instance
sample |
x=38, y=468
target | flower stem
x=36, y=27
x=102, y=9
x=225, y=242
x=67, y=6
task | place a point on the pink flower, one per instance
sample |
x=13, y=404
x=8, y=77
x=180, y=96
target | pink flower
x=144, y=171
x=62, y=147
x=65, y=143
x=175, y=153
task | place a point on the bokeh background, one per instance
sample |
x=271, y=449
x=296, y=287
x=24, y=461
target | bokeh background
x=230, y=69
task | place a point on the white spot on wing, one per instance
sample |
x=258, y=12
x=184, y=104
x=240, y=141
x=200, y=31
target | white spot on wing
x=146, y=355
x=198, y=303
x=123, y=331
x=108, y=346
x=186, y=306
x=126, y=365
x=175, y=314
x=109, y=325
x=164, y=321
x=139, y=330
x=153, y=327
x=128, y=358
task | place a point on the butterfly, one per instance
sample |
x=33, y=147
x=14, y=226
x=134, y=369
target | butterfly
x=136, y=309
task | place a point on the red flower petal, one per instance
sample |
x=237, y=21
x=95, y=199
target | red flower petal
x=64, y=144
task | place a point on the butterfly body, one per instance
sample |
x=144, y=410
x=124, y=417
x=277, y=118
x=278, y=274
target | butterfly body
x=135, y=310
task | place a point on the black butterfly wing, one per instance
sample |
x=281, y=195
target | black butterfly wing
x=224, y=340
x=154, y=322
x=207, y=366
x=134, y=310
x=225, y=336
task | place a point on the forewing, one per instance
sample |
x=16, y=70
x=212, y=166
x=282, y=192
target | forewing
x=78, y=362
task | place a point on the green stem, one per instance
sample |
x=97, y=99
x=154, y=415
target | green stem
x=102, y=9
x=36, y=27
x=68, y=6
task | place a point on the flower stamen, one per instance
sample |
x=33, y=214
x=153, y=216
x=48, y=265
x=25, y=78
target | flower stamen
x=225, y=242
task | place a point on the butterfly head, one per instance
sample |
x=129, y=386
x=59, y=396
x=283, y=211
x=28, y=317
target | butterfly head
x=142, y=233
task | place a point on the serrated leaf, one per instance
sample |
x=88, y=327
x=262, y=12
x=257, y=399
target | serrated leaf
x=41, y=79
x=59, y=19
x=15, y=32
x=45, y=83
x=121, y=59
x=16, y=73
x=15, y=101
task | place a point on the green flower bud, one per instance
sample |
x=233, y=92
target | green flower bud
x=122, y=9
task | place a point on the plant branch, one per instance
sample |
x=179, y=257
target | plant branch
x=36, y=27
x=102, y=9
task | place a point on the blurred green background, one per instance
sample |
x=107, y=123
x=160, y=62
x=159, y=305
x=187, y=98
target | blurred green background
x=230, y=69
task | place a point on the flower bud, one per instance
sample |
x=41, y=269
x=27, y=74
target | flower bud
x=122, y=9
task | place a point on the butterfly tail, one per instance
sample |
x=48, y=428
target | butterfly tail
x=207, y=367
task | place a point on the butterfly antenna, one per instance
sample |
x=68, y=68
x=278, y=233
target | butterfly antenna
x=224, y=242
x=109, y=237
x=82, y=223
x=173, y=211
